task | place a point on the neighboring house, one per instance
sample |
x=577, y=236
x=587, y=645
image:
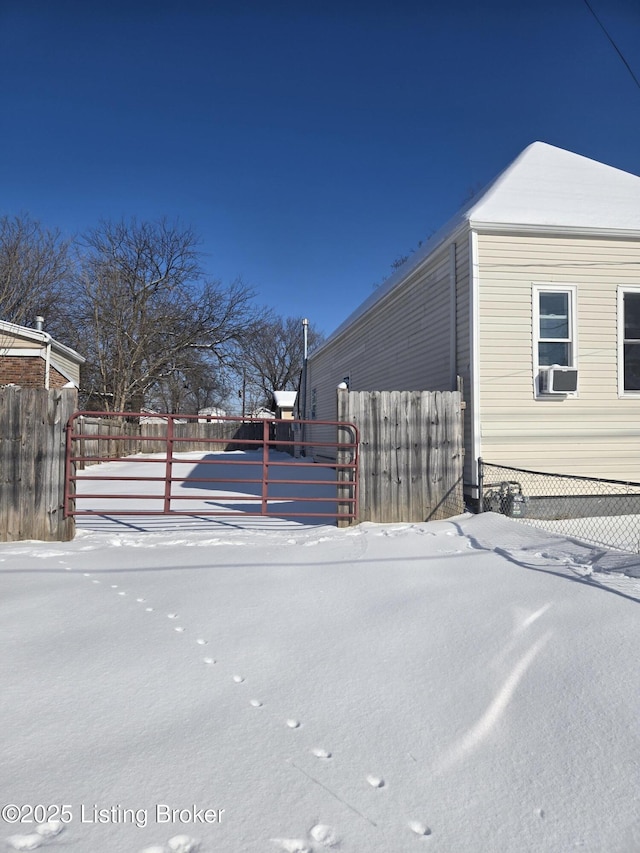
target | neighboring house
x=150, y=416
x=285, y=402
x=210, y=413
x=541, y=268
x=261, y=412
x=31, y=358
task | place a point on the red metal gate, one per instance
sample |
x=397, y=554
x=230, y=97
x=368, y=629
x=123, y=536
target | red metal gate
x=237, y=466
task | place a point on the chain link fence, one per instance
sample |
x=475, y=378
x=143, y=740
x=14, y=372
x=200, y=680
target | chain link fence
x=601, y=512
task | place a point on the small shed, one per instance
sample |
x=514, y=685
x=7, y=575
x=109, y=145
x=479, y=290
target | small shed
x=285, y=402
x=31, y=358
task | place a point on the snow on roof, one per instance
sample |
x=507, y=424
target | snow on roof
x=213, y=411
x=549, y=186
x=149, y=416
x=544, y=188
x=285, y=399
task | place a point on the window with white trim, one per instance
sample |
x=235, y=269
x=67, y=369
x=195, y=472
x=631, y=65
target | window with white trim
x=629, y=336
x=554, y=327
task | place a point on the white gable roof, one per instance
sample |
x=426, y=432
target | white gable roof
x=285, y=399
x=548, y=186
x=545, y=188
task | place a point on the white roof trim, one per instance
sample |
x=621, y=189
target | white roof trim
x=556, y=230
x=42, y=337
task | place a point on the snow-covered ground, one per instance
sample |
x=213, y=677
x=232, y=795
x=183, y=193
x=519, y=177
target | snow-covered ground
x=208, y=482
x=464, y=686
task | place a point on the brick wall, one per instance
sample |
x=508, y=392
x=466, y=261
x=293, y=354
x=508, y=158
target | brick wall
x=28, y=372
x=56, y=380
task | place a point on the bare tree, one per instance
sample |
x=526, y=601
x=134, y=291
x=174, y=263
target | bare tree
x=192, y=383
x=141, y=310
x=274, y=353
x=35, y=265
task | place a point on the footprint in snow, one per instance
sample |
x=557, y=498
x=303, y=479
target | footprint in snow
x=208, y=661
x=419, y=828
x=238, y=679
x=324, y=835
x=172, y=615
x=293, y=724
x=375, y=781
x=33, y=840
x=292, y=845
x=202, y=642
x=320, y=833
x=255, y=703
x=396, y=530
x=321, y=753
x=25, y=842
x=50, y=828
x=177, y=844
x=183, y=844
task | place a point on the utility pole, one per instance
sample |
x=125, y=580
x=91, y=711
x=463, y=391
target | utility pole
x=305, y=352
x=303, y=383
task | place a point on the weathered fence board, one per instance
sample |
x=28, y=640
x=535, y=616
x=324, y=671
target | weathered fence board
x=32, y=458
x=411, y=454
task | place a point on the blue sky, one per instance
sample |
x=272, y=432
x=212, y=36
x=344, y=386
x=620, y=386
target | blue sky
x=308, y=143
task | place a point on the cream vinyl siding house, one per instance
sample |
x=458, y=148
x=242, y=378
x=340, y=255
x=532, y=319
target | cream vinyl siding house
x=541, y=269
x=404, y=341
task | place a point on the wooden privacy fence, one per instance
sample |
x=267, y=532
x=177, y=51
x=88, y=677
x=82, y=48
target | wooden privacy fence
x=32, y=460
x=411, y=453
x=410, y=464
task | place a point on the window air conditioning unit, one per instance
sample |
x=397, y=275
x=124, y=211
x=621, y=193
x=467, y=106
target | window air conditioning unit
x=558, y=380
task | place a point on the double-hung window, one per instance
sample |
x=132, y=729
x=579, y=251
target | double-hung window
x=629, y=340
x=554, y=320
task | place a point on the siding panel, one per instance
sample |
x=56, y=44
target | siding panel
x=402, y=342
x=597, y=433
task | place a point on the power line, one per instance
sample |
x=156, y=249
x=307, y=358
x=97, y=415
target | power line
x=615, y=46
